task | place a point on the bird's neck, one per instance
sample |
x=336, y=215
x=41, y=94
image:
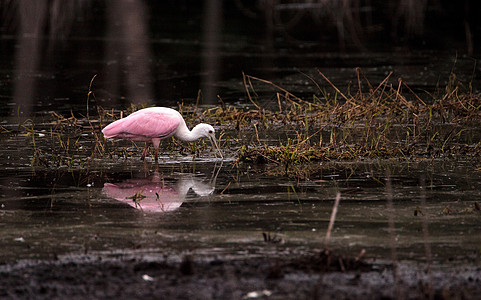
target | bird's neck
x=183, y=133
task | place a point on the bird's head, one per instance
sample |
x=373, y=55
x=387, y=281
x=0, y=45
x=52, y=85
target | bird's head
x=206, y=130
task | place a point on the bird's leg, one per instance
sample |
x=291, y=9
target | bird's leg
x=156, y=143
x=146, y=149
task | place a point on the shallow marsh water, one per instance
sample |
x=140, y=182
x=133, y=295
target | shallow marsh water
x=61, y=219
x=207, y=206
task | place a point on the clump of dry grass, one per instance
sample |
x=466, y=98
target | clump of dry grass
x=383, y=120
x=386, y=120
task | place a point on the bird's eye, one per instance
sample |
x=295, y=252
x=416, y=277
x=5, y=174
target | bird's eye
x=210, y=131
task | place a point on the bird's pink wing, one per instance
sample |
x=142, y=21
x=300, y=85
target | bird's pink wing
x=144, y=124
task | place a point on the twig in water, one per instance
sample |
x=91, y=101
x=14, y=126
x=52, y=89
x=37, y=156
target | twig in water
x=335, y=88
x=244, y=78
x=90, y=93
x=257, y=134
x=274, y=85
x=415, y=95
x=379, y=86
x=331, y=221
x=221, y=193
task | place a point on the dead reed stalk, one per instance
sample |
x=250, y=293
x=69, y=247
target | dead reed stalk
x=331, y=220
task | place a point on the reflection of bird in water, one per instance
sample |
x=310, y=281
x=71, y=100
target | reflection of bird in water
x=156, y=123
x=155, y=195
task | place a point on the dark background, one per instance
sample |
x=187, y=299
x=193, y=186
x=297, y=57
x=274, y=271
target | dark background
x=163, y=52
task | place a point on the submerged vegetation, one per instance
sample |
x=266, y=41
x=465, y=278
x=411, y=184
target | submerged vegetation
x=367, y=121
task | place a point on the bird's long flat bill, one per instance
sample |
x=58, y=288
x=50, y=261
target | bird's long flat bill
x=215, y=145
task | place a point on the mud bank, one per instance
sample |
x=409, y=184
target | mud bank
x=303, y=276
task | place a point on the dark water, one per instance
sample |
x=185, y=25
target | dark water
x=201, y=205
x=206, y=207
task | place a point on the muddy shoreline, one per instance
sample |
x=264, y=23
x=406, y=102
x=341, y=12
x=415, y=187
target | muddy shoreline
x=190, y=276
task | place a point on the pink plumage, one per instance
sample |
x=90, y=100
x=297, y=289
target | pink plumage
x=145, y=124
x=156, y=123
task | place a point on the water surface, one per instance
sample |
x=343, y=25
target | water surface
x=54, y=204
x=205, y=206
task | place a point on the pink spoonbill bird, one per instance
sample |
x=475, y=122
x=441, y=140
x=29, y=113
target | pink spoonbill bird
x=156, y=123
